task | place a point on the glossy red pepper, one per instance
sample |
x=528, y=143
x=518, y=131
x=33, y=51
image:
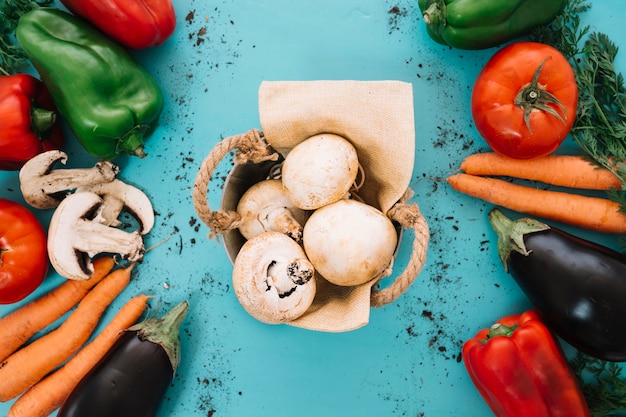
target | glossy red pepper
x=27, y=121
x=520, y=370
x=136, y=24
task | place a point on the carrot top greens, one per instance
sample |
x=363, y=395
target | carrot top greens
x=602, y=383
x=600, y=126
x=12, y=57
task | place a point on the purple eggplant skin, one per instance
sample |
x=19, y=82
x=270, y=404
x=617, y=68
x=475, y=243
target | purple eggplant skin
x=577, y=286
x=132, y=378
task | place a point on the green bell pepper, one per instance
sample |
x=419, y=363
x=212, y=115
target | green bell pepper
x=481, y=24
x=109, y=101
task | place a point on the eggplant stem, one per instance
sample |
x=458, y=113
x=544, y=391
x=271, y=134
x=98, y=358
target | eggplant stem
x=165, y=331
x=511, y=234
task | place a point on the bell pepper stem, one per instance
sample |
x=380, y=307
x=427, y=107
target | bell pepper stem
x=434, y=14
x=500, y=329
x=42, y=120
x=132, y=143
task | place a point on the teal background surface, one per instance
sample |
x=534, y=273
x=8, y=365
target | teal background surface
x=406, y=362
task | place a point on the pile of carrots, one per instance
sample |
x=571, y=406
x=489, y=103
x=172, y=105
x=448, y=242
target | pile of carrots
x=44, y=371
x=571, y=171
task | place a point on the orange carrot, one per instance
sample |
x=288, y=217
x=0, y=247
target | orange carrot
x=48, y=394
x=592, y=213
x=20, y=325
x=24, y=368
x=562, y=170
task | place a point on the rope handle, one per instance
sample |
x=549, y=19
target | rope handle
x=251, y=147
x=408, y=216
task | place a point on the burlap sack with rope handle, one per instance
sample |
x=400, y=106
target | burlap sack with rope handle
x=377, y=118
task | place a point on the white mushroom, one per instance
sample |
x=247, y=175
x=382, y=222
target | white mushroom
x=272, y=278
x=320, y=170
x=350, y=243
x=118, y=196
x=265, y=207
x=43, y=187
x=74, y=237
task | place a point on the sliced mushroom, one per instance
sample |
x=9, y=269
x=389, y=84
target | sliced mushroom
x=43, y=187
x=119, y=196
x=273, y=279
x=320, y=170
x=74, y=237
x=350, y=243
x=266, y=207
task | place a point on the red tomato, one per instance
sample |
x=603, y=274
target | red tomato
x=23, y=252
x=524, y=100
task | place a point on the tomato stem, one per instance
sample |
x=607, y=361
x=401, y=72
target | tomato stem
x=2, y=250
x=534, y=96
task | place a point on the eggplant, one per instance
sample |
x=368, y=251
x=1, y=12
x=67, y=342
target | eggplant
x=133, y=376
x=577, y=286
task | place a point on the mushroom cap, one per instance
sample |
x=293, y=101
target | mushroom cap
x=272, y=279
x=119, y=196
x=320, y=170
x=266, y=207
x=74, y=237
x=349, y=242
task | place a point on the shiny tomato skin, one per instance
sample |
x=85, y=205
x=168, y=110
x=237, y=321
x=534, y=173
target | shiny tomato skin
x=501, y=122
x=23, y=252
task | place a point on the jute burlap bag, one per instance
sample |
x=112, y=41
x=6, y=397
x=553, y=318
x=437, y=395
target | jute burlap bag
x=377, y=118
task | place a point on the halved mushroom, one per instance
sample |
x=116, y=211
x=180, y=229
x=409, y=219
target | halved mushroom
x=266, y=207
x=320, y=170
x=119, y=196
x=44, y=187
x=74, y=237
x=272, y=278
x=350, y=243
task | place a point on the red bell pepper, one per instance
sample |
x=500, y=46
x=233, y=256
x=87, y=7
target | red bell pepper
x=136, y=24
x=520, y=370
x=27, y=121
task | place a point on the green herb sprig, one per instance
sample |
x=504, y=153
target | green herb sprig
x=600, y=126
x=602, y=384
x=12, y=57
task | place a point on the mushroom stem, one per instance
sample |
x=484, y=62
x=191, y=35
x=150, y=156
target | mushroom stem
x=283, y=221
x=93, y=238
x=43, y=187
x=285, y=276
x=110, y=211
x=265, y=207
x=69, y=179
